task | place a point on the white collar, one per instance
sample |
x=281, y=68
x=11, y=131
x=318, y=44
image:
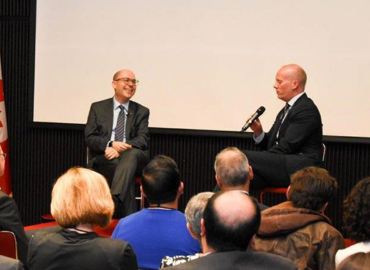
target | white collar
x=293, y=100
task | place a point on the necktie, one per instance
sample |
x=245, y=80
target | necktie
x=282, y=118
x=120, y=127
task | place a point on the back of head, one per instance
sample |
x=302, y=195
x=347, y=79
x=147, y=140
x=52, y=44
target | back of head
x=81, y=196
x=194, y=211
x=358, y=261
x=356, y=214
x=231, y=219
x=161, y=180
x=311, y=188
x=232, y=167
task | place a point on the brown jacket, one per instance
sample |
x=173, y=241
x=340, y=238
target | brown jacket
x=304, y=236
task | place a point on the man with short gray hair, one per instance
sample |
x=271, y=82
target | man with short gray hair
x=233, y=171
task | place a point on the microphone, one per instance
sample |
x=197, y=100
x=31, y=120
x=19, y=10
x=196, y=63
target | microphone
x=249, y=122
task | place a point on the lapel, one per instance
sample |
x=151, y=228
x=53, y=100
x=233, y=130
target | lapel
x=130, y=119
x=278, y=120
x=108, y=112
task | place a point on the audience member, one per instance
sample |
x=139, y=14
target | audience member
x=117, y=135
x=298, y=229
x=356, y=220
x=233, y=171
x=229, y=222
x=10, y=219
x=159, y=230
x=80, y=199
x=193, y=213
x=357, y=261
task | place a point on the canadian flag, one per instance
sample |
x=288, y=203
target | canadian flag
x=5, y=180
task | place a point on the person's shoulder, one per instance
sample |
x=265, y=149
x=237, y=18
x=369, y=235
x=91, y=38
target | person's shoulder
x=325, y=228
x=110, y=243
x=39, y=238
x=103, y=102
x=232, y=259
x=130, y=219
x=175, y=215
x=138, y=106
x=270, y=261
x=306, y=101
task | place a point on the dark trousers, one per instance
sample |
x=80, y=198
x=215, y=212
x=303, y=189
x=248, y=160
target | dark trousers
x=121, y=173
x=269, y=169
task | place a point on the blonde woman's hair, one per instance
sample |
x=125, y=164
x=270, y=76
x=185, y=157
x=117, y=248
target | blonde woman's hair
x=81, y=196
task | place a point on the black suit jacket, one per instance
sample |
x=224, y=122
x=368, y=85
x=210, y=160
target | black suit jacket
x=98, y=129
x=10, y=220
x=70, y=250
x=238, y=260
x=300, y=135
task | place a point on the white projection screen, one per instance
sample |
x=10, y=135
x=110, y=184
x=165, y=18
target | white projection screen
x=204, y=64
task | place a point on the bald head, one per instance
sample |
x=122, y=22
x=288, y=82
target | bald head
x=123, y=73
x=234, y=208
x=231, y=219
x=295, y=72
x=232, y=167
x=290, y=81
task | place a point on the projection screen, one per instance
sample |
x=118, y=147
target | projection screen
x=204, y=64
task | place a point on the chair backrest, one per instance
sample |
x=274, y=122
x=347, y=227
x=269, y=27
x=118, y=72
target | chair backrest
x=8, y=244
x=323, y=152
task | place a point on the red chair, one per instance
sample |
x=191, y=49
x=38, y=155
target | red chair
x=271, y=190
x=8, y=244
x=349, y=242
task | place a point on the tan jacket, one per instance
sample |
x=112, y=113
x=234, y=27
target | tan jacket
x=304, y=236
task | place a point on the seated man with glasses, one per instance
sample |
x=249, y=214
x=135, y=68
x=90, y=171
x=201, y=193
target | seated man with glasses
x=117, y=136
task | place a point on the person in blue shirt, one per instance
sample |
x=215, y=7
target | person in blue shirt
x=159, y=230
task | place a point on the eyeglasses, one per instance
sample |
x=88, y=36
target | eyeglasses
x=3, y=154
x=128, y=80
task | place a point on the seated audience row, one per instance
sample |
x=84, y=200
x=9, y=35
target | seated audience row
x=228, y=227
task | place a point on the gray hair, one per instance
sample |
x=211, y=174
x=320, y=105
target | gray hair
x=232, y=167
x=194, y=211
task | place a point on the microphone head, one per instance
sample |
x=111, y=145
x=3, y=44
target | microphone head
x=261, y=110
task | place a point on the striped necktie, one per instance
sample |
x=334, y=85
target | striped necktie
x=120, y=127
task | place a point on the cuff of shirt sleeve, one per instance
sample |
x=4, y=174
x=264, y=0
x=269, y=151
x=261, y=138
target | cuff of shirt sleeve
x=259, y=139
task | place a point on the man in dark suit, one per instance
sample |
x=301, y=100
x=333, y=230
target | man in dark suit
x=295, y=139
x=229, y=222
x=233, y=172
x=10, y=219
x=117, y=135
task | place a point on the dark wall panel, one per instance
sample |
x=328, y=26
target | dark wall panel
x=39, y=155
